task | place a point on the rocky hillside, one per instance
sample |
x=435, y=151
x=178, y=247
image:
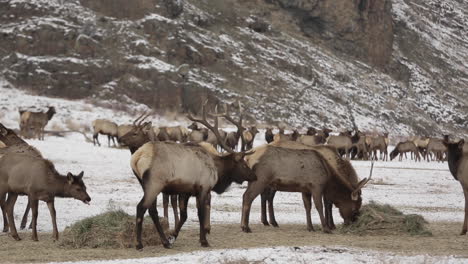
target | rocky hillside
x=399, y=66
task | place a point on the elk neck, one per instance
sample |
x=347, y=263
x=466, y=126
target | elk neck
x=59, y=186
x=454, y=158
x=224, y=165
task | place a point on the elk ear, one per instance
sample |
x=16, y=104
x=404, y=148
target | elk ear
x=70, y=178
x=80, y=176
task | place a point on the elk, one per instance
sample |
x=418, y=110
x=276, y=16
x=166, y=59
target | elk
x=134, y=140
x=197, y=134
x=269, y=135
x=359, y=148
x=379, y=143
x=105, y=127
x=341, y=143
x=341, y=166
x=122, y=130
x=188, y=170
x=175, y=134
x=35, y=121
x=458, y=166
x=311, y=131
x=249, y=137
x=286, y=137
x=14, y=144
x=302, y=170
x=36, y=177
x=309, y=140
x=436, y=147
x=403, y=147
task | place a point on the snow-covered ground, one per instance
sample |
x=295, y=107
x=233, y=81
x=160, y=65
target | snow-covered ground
x=422, y=188
x=288, y=255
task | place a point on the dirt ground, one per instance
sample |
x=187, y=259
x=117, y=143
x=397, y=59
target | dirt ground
x=445, y=241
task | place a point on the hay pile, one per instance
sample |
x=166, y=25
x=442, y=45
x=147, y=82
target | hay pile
x=385, y=219
x=113, y=229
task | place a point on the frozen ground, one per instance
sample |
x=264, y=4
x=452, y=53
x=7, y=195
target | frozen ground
x=422, y=188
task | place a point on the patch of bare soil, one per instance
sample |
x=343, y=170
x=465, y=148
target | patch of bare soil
x=445, y=241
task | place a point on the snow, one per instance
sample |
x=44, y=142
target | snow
x=287, y=255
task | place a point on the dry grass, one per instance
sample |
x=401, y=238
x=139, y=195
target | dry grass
x=445, y=241
x=113, y=229
x=385, y=219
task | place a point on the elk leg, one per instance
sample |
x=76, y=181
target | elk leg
x=271, y=211
x=317, y=196
x=263, y=197
x=306, y=198
x=10, y=205
x=253, y=190
x=174, y=209
x=96, y=139
x=201, y=218
x=153, y=212
x=139, y=223
x=34, y=209
x=3, y=207
x=166, y=206
x=208, y=213
x=183, y=203
x=465, y=222
x=55, y=234
x=108, y=140
x=24, y=220
x=329, y=214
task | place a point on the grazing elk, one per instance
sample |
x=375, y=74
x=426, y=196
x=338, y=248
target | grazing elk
x=302, y=170
x=249, y=137
x=134, y=140
x=105, y=127
x=340, y=165
x=458, y=165
x=36, y=177
x=14, y=144
x=269, y=136
x=35, y=121
x=188, y=170
x=404, y=147
x=421, y=143
x=437, y=148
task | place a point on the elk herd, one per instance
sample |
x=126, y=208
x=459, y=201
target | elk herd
x=180, y=162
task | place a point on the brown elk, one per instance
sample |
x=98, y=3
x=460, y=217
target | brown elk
x=249, y=137
x=342, y=143
x=122, y=130
x=105, y=127
x=458, y=165
x=437, y=148
x=175, y=134
x=309, y=140
x=302, y=170
x=286, y=137
x=404, y=147
x=35, y=121
x=134, y=140
x=311, y=131
x=36, y=177
x=421, y=143
x=340, y=165
x=188, y=170
x=197, y=134
x=379, y=143
x=14, y=144
x=360, y=149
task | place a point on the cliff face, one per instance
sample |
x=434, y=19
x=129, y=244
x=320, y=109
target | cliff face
x=395, y=65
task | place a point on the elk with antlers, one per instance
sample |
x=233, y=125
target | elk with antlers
x=186, y=170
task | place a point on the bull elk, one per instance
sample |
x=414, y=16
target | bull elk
x=35, y=121
x=188, y=170
x=38, y=179
x=458, y=165
x=134, y=140
x=302, y=170
x=105, y=127
x=122, y=130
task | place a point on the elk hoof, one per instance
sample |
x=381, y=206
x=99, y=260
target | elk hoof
x=265, y=223
x=208, y=230
x=5, y=229
x=327, y=230
x=139, y=246
x=167, y=245
x=246, y=229
x=22, y=227
x=274, y=224
x=171, y=239
x=463, y=232
x=204, y=243
x=310, y=229
x=16, y=237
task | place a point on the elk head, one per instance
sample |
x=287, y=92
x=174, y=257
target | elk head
x=138, y=135
x=76, y=188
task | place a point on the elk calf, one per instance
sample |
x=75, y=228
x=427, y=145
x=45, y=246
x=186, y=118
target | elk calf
x=37, y=178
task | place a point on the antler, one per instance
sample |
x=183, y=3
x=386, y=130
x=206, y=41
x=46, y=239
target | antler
x=143, y=117
x=238, y=124
x=214, y=128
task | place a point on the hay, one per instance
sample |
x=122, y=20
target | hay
x=385, y=219
x=113, y=229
